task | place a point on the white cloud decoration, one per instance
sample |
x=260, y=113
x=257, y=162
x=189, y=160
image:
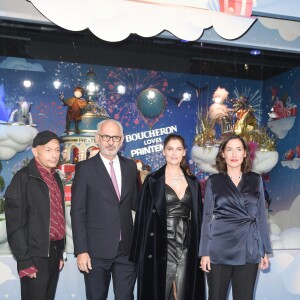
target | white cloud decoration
x=21, y=64
x=282, y=126
x=285, y=232
x=285, y=269
x=264, y=161
x=15, y=138
x=6, y=273
x=205, y=158
x=292, y=164
x=285, y=227
x=288, y=30
x=115, y=20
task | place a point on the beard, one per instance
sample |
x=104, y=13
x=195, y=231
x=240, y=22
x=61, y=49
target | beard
x=109, y=151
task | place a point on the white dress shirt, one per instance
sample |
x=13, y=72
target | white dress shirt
x=117, y=168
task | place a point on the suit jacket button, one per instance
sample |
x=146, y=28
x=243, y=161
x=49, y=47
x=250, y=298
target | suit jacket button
x=151, y=234
x=149, y=256
x=154, y=210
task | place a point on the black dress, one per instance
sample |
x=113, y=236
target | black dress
x=178, y=219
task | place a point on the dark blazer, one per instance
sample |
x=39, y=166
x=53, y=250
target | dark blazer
x=97, y=215
x=149, y=246
x=234, y=229
x=27, y=212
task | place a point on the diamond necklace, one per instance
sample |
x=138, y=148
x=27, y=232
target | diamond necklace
x=235, y=177
x=175, y=179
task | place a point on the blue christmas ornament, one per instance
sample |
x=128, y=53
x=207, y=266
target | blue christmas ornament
x=151, y=103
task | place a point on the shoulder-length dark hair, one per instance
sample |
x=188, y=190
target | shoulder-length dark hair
x=220, y=161
x=183, y=163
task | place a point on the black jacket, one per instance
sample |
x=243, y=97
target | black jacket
x=27, y=213
x=149, y=246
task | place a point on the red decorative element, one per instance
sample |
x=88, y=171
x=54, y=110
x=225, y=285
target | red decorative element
x=279, y=111
x=274, y=92
x=289, y=155
x=298, y=151
x=266, y=177
x=252, y=148
x=202, y=184
x=237, y=7
x=68, y=169
x=67, y=189
x=75, y=155
x=293, y=110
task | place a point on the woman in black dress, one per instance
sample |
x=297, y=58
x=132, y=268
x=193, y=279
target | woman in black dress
x=167, y=230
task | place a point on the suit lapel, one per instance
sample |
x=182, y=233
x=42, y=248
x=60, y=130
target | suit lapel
x=124, y=175
x=194, y=192
x=159, y=197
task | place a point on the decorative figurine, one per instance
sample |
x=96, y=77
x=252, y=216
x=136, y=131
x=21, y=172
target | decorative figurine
x=22, y=114
x=219, y=111
x=75, y=105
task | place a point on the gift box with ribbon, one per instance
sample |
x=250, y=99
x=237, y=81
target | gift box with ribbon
x=237, y=7
x=293, y=111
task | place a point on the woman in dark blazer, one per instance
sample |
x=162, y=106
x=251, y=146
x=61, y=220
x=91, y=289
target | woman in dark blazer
x=167, y=230
x=234, y=238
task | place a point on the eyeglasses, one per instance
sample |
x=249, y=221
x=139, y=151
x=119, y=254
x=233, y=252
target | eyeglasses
x=107, y=138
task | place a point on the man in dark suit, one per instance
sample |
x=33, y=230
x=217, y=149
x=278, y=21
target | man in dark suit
x=104, y=192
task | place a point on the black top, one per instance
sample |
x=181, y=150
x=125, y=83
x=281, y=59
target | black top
x=178, y=214
x=178, y=207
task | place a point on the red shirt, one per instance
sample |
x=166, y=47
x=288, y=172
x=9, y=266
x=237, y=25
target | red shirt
x=57, y=219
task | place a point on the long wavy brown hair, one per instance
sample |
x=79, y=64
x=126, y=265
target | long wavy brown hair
x=220, y=161
x=183, y=163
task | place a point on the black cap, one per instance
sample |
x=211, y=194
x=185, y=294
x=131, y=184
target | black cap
x=44, y=137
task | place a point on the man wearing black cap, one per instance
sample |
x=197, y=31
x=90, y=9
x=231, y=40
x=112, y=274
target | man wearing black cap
x=34, y=211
